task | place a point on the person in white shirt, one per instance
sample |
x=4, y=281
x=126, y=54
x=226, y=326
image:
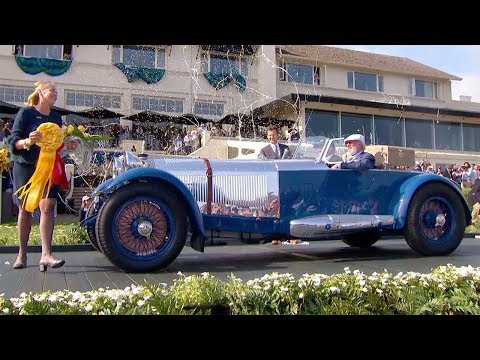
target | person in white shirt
x=187, y=146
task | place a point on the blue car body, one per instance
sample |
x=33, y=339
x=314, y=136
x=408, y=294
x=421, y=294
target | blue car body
x=287, y=199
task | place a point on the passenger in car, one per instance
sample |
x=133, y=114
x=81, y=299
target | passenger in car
x=358, y=158
x=274, y=150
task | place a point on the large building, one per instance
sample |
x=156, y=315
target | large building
x=324, y=90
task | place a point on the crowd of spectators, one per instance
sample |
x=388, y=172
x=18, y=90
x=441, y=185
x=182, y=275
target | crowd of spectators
x=464, y=175
x=166, y=138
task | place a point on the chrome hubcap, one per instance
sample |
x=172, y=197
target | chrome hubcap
x=145, y=228
x=440, y=220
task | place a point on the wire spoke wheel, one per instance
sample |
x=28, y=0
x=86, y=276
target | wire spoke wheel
x=135, y=215
x=142, y=227
x=436, y=220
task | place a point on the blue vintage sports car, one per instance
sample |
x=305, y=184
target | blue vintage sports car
x=141, y=219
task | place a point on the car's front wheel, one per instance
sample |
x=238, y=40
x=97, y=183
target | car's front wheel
x=436, y=221
x=142, y=227
x=91, y=236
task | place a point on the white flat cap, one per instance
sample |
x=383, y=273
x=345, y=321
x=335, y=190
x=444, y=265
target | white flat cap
x=357, y=137
x=85, y=198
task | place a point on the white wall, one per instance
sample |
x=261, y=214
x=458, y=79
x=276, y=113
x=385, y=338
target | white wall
x=396, y=89
x=92, y=71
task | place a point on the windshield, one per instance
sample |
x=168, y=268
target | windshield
x=321, y=148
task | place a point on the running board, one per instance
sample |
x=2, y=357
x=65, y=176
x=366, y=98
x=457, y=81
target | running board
x=315, y=226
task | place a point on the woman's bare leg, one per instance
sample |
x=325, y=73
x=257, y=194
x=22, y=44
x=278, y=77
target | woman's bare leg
x=46, y=227
x=24, y=225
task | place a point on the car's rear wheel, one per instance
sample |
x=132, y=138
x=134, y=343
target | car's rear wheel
x=142, y=227
x=363, y=239
x=435, y=222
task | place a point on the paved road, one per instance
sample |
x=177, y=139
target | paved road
x=87, y=270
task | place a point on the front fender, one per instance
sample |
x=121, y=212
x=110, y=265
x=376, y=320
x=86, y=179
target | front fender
x=410, y=187
x=102, y=186
x=150, y=174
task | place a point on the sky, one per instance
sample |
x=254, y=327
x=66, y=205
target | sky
x=462, y=61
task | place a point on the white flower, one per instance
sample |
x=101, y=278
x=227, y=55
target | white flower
x=380, y=291
x=334, y=290
x=301, y=295
x=88, y=308
x=6, y=311
x=136, y=290
x=140, y=302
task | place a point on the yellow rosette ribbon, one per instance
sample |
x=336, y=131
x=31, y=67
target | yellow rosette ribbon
x=32, y=192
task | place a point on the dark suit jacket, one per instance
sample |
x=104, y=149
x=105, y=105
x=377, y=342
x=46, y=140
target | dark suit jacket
x=267, y=152
x=363, y=161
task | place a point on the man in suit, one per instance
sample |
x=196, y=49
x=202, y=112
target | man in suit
x=274, y=150
x=358, y=159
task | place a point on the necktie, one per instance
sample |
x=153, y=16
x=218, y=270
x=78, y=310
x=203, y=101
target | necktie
x=277, y=151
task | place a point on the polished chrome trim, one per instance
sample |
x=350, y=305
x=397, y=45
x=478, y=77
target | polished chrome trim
x=145, y=228
x=314, y=226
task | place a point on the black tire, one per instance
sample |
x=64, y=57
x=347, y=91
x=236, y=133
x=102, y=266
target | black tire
x=118, y=227
x=424, y=231
x=363, y=239
x=91, y=234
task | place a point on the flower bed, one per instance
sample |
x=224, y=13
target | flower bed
x=446, y=290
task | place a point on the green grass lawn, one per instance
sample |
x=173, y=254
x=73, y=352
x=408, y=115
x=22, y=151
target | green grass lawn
x=65, y=232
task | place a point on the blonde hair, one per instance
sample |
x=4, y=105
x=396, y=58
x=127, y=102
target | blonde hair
x=34, y=97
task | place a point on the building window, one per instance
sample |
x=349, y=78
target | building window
x=58, y=52
x=365, y=82
x=157, y=104
x=357, y=124
x=18, y=95
x=422, y=88
x=389, y=131
x=303, y=74
x=151, y=57
x=92, y=100
x=208, y=108
x=224, y=64
x=419, y=133
x=321, y=123
x=471, y=137
x=448, y=135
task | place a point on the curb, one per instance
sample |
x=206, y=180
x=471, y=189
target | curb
x=56, y=248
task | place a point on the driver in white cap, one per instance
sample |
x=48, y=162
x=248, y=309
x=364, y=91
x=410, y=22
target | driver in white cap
x=358, y=159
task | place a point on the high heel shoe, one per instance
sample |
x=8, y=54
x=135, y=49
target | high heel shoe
x=55, y=264
x=18, y=264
